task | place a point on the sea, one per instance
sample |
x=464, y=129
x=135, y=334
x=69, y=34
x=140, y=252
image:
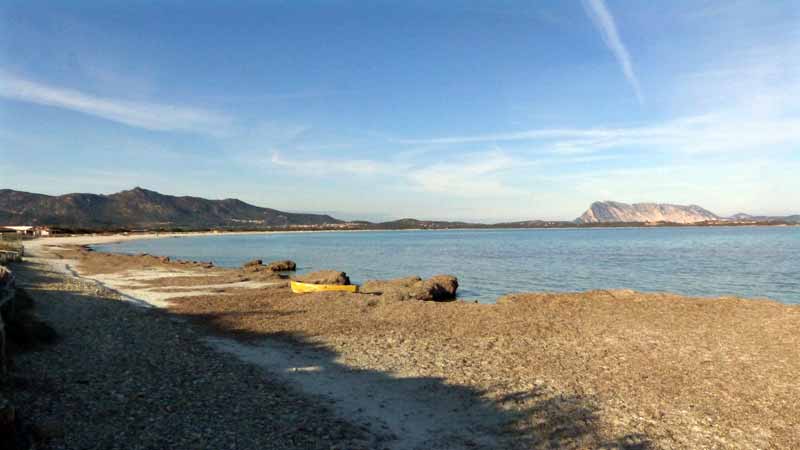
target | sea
x=751, y=262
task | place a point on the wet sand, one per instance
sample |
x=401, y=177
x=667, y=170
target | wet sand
x=600, y=369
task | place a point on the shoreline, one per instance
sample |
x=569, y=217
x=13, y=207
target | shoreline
x=121, y=237
x=79, y=242
x=608, y=365
x=122, y=374
x=415, y=421
x=91, y=241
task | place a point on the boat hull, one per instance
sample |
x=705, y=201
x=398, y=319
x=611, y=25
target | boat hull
x=303, y=288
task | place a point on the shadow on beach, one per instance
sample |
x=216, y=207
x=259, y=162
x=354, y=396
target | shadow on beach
x=424, y=412
x=396, y=412
x=121, y=377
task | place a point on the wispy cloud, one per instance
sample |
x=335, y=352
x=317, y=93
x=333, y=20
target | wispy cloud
x=756, y=80
x=475, y=175
x=527, y=135
x=604, y=21
x=317, y=167
x=691, y=134
x=150, y=116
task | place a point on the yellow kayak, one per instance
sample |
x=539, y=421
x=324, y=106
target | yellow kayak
x=302, y=288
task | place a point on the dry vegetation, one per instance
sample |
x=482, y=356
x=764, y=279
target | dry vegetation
x=613, y=369
x=11, y=245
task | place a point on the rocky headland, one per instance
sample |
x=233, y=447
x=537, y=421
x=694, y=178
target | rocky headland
x=610, y=211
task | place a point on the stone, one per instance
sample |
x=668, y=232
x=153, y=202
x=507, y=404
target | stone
x=324, y=277
x=281, y=266
x=437, y=288
x=252, y=263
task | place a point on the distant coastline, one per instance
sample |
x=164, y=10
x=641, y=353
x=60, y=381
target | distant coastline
x=142, y=210
x=422, y=226
x=492, y=263
x=89, y=238
x=437, y=227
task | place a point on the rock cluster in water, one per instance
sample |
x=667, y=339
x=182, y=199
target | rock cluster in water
x=257, y=265
x=437, y=288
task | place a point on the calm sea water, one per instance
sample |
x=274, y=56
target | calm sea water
x=747, y=262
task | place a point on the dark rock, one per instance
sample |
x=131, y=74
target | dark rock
x=252, y=263
x=437, y=288
x=281, y=266
x=324, y=277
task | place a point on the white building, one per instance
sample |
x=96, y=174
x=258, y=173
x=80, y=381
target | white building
x=28, y=230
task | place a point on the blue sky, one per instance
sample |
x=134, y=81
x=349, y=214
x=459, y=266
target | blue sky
x=488, y=111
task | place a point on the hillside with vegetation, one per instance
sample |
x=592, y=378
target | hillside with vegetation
x=142, y=208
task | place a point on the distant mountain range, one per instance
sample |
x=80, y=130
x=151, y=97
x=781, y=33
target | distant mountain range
x=144, y=209
x=141, y=208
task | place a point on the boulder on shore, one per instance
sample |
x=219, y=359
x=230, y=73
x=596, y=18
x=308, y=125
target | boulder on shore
x=281, y=266
x=252, y=263
x=438, y=288
x=324, y=277
x=257, y=265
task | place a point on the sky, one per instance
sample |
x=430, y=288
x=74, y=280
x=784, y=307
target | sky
x=481, y=111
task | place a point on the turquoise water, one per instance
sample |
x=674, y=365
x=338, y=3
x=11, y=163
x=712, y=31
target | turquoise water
x=747, y=262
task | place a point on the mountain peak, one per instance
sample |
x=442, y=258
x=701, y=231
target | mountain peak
x=137, y=190
x=611, y=211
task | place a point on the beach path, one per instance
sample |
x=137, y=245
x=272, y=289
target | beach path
x=393, y=412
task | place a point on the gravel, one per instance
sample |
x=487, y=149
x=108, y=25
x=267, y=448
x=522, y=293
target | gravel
x=125, y=377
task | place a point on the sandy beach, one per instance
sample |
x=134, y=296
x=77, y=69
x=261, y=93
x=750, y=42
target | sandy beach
x=600, y=369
